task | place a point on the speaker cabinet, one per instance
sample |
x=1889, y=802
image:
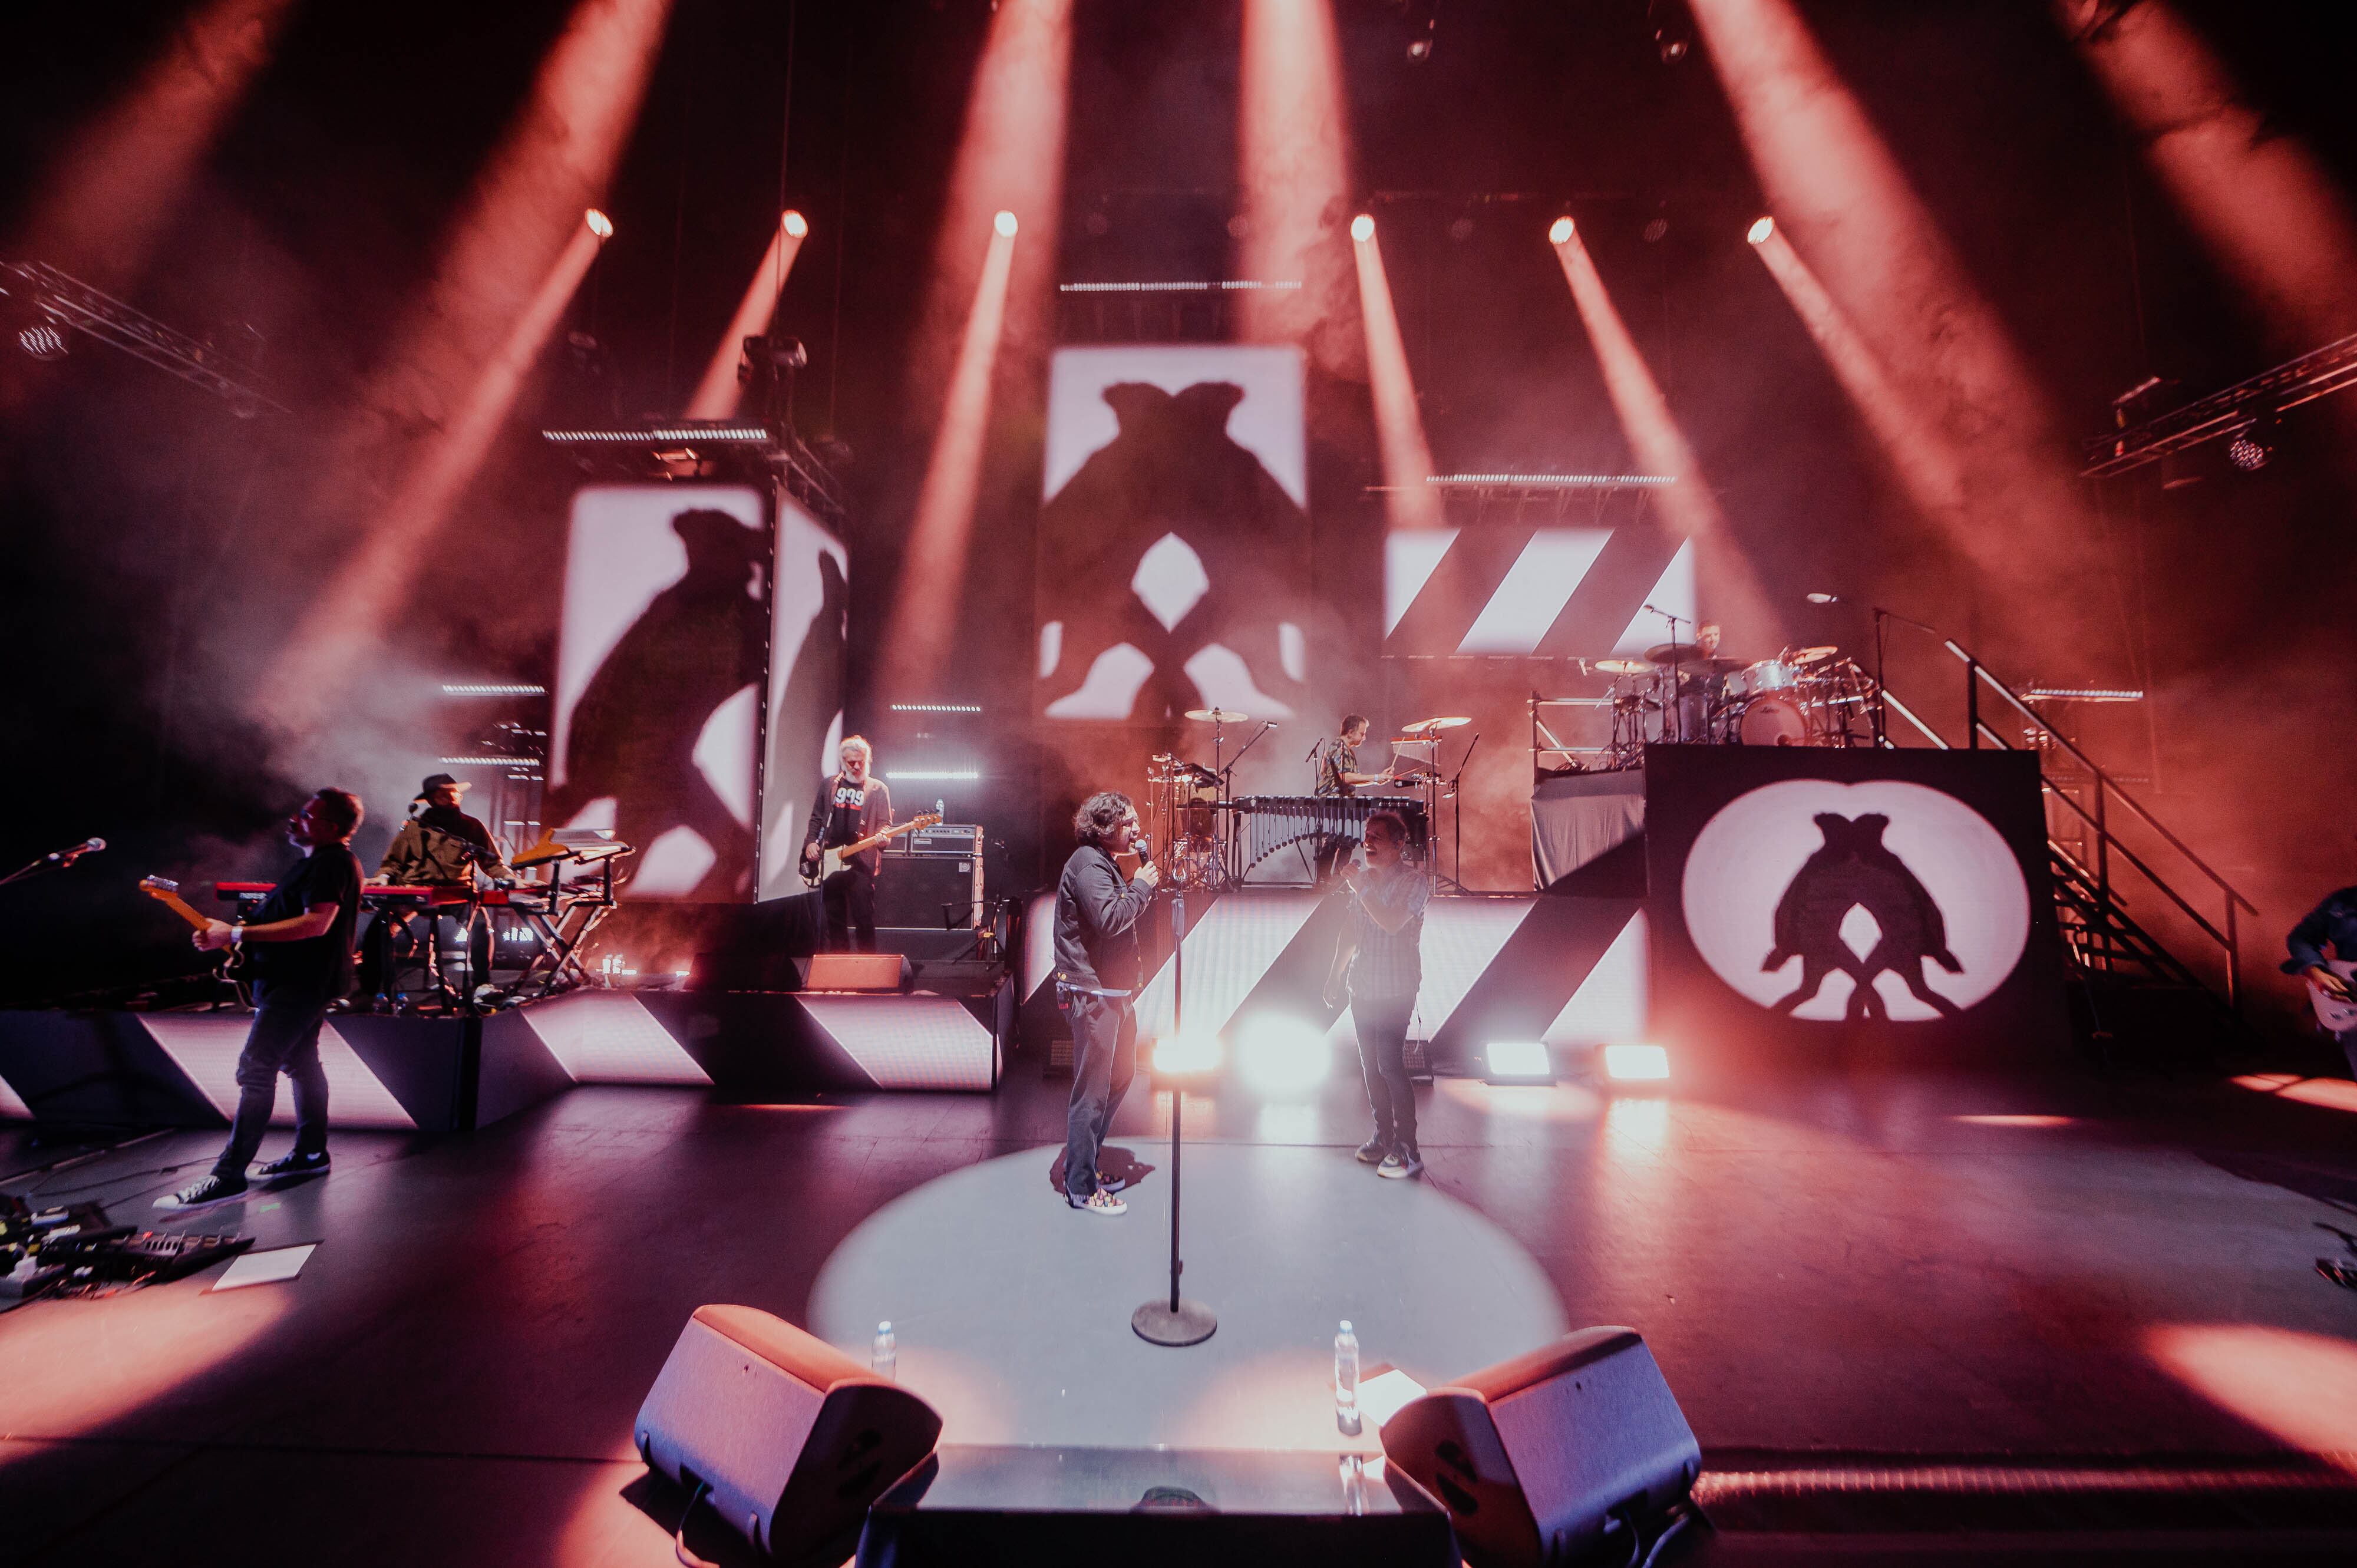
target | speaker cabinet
x=791, y=1439
x=1536, y=1459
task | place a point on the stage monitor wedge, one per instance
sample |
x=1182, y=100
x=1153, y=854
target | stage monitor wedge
x=790, y=1438
x=1538, y=1458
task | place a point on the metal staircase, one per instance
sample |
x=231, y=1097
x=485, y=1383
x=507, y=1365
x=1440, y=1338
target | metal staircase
x=2120, y=970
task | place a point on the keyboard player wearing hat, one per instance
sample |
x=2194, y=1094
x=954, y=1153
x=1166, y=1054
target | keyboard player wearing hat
x=440, y=847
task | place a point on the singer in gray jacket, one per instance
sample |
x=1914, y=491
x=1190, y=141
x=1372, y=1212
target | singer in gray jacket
x=1097, y=914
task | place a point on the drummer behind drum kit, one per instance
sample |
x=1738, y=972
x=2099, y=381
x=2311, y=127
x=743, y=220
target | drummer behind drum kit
x=1209, y=839
x=1682, y=693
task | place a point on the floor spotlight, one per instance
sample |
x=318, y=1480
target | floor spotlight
x=1560, y=231
x=599, y=224
x=1517, y=1061
x=795, y=224
x=1636, y=1063
x=1191, y=1055
x=44, y=341
x=1005, y=224
x=1362, y=228
x=1281, y=1056
x=1760, y=231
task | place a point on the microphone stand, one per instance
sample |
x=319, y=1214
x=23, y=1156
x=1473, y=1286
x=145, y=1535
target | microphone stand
x=1178, y=1322
x=57, y=860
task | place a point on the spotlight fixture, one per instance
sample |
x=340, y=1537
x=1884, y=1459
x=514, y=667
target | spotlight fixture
x=1760, y=231
x=1560, y=231
x=2252, y=445
x=795, y=224
x=599, y=224
x=1636, y=1063
x=1362, y=228
x=1517, y=1061
x=1005, y=224
x=1672, y=36
x=43, y=342
x=1656, y=230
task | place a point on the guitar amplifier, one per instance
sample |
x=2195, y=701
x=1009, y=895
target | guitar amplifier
x=947, y=838
x=935, y=883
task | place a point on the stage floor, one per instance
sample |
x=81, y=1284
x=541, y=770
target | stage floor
x=1835, y=1273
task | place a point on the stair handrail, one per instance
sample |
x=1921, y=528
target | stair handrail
x=1976, y=674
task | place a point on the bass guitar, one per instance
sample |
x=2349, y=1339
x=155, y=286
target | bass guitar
x=834, y=857
x=167, y=892
x=2337, y=1015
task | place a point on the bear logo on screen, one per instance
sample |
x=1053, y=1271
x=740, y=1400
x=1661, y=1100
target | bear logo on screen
x=1171, y=558
x=1883, y=902
x=1856, y=871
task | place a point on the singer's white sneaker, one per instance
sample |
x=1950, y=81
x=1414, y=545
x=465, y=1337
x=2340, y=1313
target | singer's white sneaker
x=1098, y=1202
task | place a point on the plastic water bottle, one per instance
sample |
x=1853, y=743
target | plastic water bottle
x=886, y=1359
x=1346, y=1379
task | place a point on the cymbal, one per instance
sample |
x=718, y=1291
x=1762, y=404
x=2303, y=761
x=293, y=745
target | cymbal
x=1812, y=655
x=1720, y=665
x=1217, y=716
x=1671, y=653
x=1427, y=726
x=1622, y=666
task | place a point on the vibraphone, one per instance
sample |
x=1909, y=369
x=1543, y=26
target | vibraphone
x=1273, y=822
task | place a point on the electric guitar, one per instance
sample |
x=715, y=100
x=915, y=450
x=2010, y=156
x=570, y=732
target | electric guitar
x=2337, y=1015
x=834, y=857
x=167, y=892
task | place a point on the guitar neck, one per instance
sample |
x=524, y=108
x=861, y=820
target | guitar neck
x=179, y=906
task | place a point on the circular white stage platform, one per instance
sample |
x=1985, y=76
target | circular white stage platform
x=1012, y=1311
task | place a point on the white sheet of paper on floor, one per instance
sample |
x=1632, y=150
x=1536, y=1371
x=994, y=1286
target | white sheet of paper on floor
x=1383, y=1393
x=266, y=1268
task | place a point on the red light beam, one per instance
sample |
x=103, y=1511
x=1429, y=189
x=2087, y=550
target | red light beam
x=715, y=394
x=1408, y=501
x=924, y=609
x=2264, y=207
x=520, y=235
x=1293, y=141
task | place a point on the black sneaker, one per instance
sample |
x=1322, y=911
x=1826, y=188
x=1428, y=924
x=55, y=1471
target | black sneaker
x=203, y=1194
x=289, y=1165
x=1402, y=1162
x=1372, y=1150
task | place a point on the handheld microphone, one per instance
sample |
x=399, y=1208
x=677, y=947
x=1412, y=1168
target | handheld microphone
x=1825, y=598
x=87, y=846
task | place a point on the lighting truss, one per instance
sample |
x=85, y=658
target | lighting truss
x=1222, y=285
x=72, y=305
x=2223, y=415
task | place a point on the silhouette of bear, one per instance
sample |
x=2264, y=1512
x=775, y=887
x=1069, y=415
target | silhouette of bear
x=633, y=733
x=1173, y=469
x=1857, y=870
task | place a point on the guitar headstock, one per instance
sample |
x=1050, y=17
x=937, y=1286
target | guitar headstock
x=929, y=820
x=158, y=886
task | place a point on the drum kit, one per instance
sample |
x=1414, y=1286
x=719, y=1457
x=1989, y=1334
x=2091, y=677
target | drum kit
x=1685, y=693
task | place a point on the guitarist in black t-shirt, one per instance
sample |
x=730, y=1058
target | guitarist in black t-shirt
x=298, y=950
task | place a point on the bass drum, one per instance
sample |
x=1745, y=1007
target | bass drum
x=1777, y=719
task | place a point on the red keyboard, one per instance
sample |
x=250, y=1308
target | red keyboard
x=385, y=895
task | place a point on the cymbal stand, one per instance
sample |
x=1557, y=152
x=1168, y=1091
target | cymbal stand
x=1454, y=883
x=1676, y=714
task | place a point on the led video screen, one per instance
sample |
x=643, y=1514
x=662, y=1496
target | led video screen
x=654, y=706
x=1174, y=537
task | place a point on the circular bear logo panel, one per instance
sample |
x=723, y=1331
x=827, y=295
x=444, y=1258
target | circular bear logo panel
x=1831, y=901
